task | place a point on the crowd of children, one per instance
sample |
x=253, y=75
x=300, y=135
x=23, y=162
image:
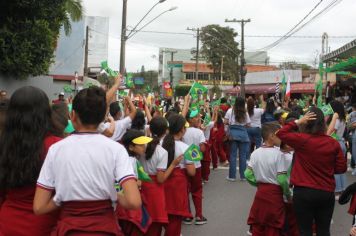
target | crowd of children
x=103, y=167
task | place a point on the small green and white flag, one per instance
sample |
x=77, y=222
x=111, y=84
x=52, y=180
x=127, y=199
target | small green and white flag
x=207, y=120
x=193, y=153
x=327, y=110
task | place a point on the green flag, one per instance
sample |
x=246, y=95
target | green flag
x=123, y=93
x=193, y=153
x=319, y=86
x=301, y=103
x=207, y=120
x=194, y=106
x=141, y=174
x=148, y=89
x=128, y=81
x=215, y=103
x=232, y=101
x=67, y=89
x=197, y=89
x=108, y=70
x=335, y=136
x=327, y=110
x=283, y=88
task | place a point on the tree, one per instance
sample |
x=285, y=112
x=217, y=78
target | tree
x=74, y=10
x=217, y=43
x=28, y=33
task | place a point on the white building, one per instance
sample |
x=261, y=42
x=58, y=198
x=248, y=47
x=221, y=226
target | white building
x=69, y=55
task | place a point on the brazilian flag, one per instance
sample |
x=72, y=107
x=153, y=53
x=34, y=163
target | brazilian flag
x=193, y=153
x=197, y=89
x=141, y=173
x=327, y=110
x=207, y=120
x=128, y=81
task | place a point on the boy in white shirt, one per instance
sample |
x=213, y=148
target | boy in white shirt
x=194, y=135
x=267, y=170
x=79, y=172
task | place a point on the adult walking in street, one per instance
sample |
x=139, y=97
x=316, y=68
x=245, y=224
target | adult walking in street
x=317, y=158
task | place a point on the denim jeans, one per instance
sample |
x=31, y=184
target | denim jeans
x=340, y=179
x=243, y=149
x=254, y=133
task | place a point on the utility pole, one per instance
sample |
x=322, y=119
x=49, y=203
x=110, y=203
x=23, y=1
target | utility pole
x=86, y=51
x=123, y=37
x=243, y=62
x=196, y=53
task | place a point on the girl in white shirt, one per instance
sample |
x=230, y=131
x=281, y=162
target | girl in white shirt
x=176, y=185
x=154, y=163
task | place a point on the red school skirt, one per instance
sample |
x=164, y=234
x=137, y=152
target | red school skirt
x=81, y=218
x=137, y=220
x=17, y=217
x=176, y=193
x=268, y=210
x=154, y=194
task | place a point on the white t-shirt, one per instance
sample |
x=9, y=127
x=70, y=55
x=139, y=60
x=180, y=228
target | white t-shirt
x=230, y=116
x=84, y=167
x=266, y=163
x=256, y=117
x=179, y=149
x=340, y=128
x=208, y=129
x=103, y=126
x=194, y=136
x=121, y=127
x=158, y=161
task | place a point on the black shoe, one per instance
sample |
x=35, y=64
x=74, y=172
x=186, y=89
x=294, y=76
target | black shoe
x=200, y=221
x=188, y=221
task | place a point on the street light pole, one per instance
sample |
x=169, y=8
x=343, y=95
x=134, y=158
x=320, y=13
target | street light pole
x=124, y=37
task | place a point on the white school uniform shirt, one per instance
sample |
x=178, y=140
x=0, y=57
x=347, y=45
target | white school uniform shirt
x=266, y=163
x=194, y=136
x=256, y=117
x=340, y=128
x=179, y=149
x=208, y=129
x=84, y=167
x=158, y=161
x=121, y=126
x=230, y=116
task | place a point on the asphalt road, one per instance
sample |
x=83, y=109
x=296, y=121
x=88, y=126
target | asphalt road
x=226, y=205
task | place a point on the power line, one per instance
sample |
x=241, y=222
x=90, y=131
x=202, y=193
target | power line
x=249, y=36
x=294, y=27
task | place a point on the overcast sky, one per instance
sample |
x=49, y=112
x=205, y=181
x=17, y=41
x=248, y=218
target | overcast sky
x=268, y=17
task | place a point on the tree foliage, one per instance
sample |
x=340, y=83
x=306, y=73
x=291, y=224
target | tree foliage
x=28, y=33
x=217, y=43
x=74, y=10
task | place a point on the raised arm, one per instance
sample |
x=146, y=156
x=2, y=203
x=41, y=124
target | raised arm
x=112, y=91
x=131, y=107
x=147, y=110
x=186, y=105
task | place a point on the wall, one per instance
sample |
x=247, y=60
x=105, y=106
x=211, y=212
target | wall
x=43, y=82
x=270, y=77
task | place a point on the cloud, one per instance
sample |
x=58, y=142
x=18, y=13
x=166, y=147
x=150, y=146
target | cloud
x=268, y=17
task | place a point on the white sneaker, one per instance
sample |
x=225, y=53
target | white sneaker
x=354, y=172
x=230, y=179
